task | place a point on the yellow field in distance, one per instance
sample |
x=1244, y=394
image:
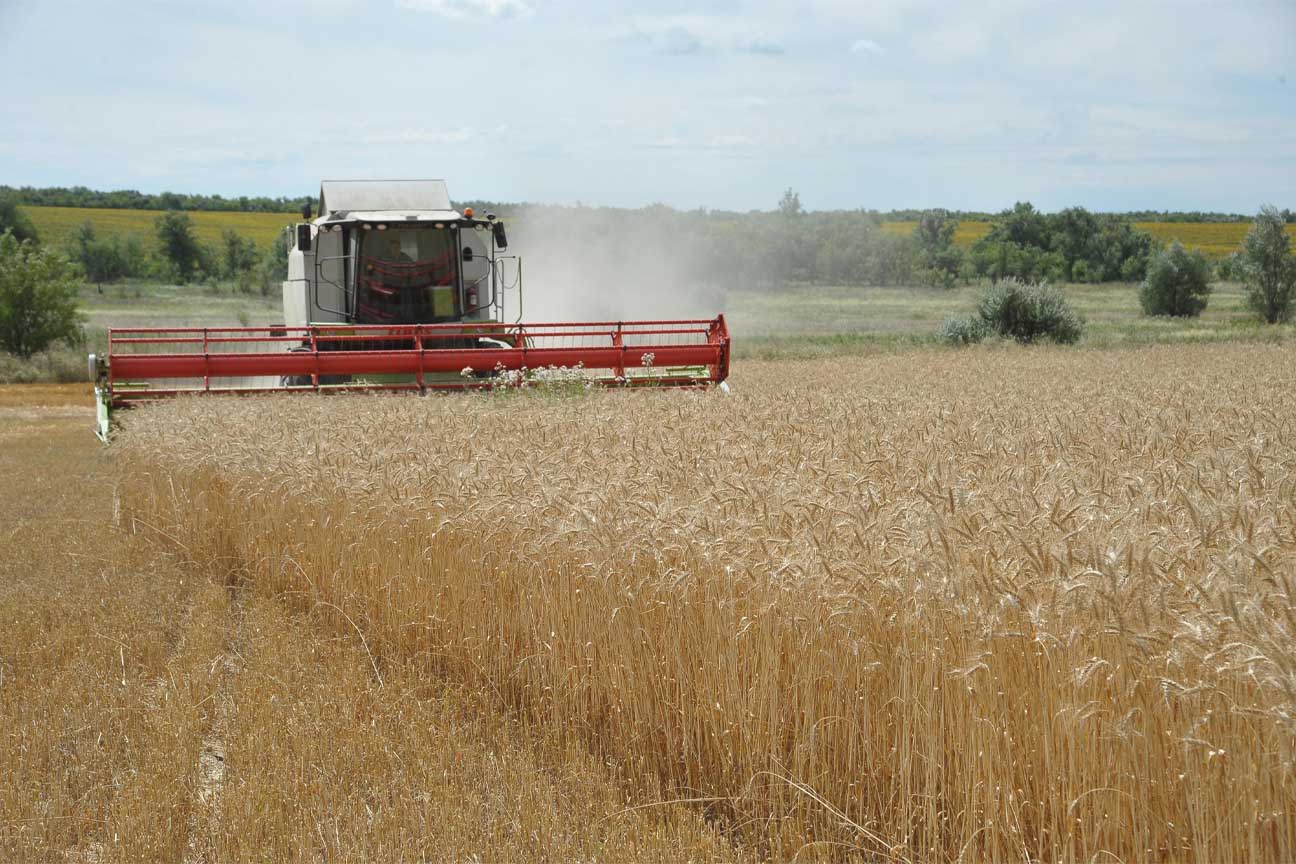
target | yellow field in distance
x=1216, y=239
x=56, y=224
x=965, y=234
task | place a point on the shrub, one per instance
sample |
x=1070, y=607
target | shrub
x=1134, y=269
x=179, y=244
x=273, y=268
x=1178, y=283
x=935, y=230
x=1050, y=267
x=1073, y=244
x=38, y=298
x=14, y=220
x=62, y=365
x=1229, y=268
x=1267, y=267
x=962, y=330
x=1026, y=312
x=943, y=266
x=238, y=254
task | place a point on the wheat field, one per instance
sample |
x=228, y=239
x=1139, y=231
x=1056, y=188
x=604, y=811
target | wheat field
x=950, y=606
x=150, y=710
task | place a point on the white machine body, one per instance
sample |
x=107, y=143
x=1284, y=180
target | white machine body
x=393, y=251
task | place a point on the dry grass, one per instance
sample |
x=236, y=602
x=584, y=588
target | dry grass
x=103, y=678
x=986, y=605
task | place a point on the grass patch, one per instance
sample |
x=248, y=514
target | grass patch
x=58, y=365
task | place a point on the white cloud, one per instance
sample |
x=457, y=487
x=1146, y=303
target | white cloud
x=410, y=137
x=676, y=40
x=1107, y=104
x=731, y=142
x=952, y=43
x=695, y=34
x=471, y=8
x=760, y=45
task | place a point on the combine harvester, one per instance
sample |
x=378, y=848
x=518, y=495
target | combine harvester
x=390, y=288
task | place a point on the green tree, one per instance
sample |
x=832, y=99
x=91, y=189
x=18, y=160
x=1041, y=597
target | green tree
x=942, y=266
x=1120, y=251
x=274, y=263
x=238, y=257
x=996, y=260
x=102, y=260
x=1177, y=283
x=178, y=243
x=941, y=259
x=935, y=230
x=1073, y=244
x=38, y=297
x=1268, y=270
x=15, y=221
x=790, y=203
x=1023, y=225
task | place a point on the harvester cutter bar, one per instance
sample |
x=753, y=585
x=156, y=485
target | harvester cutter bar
x=159, y=362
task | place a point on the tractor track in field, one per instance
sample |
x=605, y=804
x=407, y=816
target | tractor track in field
x=211, y=770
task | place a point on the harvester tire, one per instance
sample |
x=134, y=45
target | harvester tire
x=305, y=380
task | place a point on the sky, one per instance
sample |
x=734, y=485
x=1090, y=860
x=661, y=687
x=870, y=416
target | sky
x=711, y=103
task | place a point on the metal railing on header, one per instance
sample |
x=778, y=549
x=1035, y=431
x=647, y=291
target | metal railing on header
x=157, y=362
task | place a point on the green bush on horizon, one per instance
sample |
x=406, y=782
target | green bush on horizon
x=1178, y=283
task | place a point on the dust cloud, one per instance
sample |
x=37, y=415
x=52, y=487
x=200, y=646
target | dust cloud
x=582, y=264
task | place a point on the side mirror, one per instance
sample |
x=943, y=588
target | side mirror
x=467, y=253
x=303, y=238
x=306, y=212
x=501, y=239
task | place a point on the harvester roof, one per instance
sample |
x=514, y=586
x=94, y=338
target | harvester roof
x=385, y=196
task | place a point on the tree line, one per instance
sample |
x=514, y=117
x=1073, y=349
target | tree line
x=789, y=245
x=1177, y=283
x=129, y=199
x=40, y=284
x=706, y=254
x=180, y=256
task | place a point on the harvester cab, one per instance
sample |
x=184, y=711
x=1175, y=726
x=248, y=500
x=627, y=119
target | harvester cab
x=391, y=288
x=397, y=252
